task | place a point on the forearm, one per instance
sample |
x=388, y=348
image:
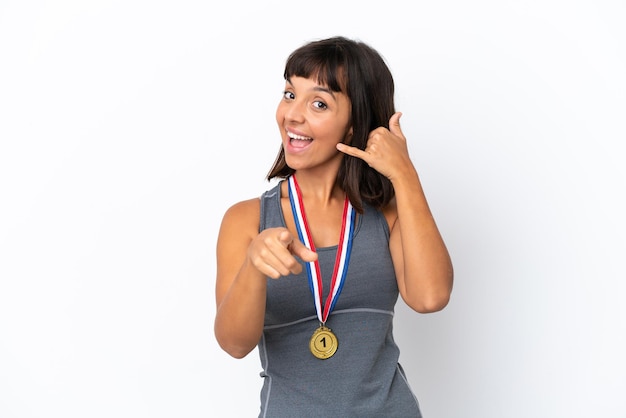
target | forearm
x=427, y=272
x=240, y=314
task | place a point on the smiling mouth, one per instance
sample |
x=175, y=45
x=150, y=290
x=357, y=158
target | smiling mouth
x=298, y=141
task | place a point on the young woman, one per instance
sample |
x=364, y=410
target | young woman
x=310, y=272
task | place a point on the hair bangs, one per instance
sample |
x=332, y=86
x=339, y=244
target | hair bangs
x=328, y=67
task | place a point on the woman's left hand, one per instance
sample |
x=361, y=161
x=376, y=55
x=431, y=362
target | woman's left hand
x=386, y=150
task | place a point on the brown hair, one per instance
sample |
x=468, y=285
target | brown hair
x=357, y=70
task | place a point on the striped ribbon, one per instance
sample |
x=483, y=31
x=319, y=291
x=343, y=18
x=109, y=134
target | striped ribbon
x=313, y=268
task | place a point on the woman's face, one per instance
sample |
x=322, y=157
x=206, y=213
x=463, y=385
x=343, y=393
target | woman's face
x=312, y=120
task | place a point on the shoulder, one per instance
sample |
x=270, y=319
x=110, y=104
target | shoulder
x=248, y=212
x=244, y=211
x=242, y=219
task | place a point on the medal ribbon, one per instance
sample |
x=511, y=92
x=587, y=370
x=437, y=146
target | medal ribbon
x=313, y=268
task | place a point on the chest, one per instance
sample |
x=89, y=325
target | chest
x=324, y=224
x=370, y=282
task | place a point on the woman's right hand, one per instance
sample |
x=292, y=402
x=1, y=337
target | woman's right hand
x=273, y=252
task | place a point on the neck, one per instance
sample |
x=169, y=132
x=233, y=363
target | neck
x=320, y=188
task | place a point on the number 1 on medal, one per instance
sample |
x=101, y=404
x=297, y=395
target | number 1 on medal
x=323, y=343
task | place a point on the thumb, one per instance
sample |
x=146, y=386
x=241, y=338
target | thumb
x=394, y=124
x=297, y=248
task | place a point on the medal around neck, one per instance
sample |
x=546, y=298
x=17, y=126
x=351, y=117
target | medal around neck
x=323, y=343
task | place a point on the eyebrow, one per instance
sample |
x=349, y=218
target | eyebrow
x=318, y=88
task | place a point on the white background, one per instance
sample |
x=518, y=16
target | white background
x=128, y=127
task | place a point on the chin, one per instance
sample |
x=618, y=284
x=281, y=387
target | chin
x=294, y=164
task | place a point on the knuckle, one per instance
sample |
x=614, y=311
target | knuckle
x=263, y=253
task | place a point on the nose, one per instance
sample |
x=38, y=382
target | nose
x=295, y=111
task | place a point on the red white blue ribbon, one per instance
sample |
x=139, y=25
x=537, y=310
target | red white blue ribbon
x=342, y=258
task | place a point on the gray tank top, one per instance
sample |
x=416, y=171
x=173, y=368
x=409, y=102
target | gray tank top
x=363, y=378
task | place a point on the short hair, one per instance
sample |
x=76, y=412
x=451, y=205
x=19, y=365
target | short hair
x=357, y=70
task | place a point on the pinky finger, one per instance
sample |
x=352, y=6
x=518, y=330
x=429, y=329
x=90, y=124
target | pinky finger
x=269, y=271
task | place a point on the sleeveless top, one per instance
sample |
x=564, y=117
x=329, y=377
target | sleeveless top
x=363, y=378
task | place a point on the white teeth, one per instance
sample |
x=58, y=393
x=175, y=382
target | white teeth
x=294, y=136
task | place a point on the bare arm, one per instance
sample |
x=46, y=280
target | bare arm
x=421, y=260
x=239, y=288
x=245, y=258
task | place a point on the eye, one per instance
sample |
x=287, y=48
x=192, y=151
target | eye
x=319, y=105
x=288, y=95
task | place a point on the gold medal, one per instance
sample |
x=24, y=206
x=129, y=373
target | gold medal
x=323, y=343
